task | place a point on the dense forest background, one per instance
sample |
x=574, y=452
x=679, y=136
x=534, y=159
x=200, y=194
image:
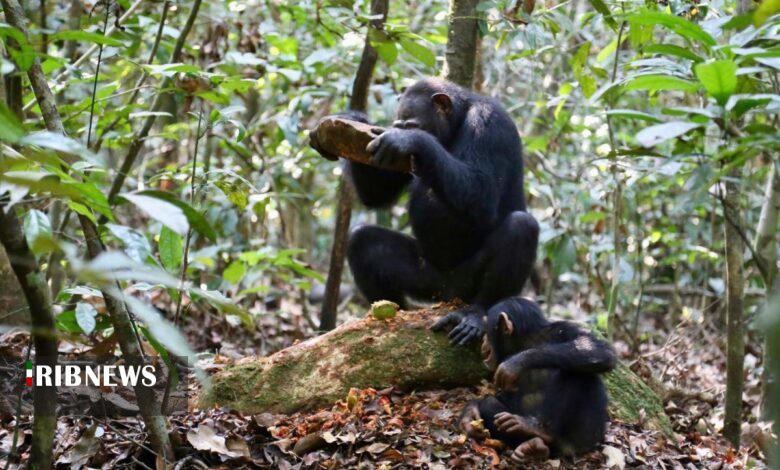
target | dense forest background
x=160, y=198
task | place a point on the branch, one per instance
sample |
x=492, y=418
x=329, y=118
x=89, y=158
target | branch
x=120, y=318
x=138, y=140
x=44, y=335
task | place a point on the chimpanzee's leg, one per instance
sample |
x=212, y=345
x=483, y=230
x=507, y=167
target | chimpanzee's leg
x=506, y=260
x=389, y=265
x=498, y=270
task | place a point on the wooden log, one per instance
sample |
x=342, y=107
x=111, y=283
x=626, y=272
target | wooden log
x=402, y=352
x=348, y=139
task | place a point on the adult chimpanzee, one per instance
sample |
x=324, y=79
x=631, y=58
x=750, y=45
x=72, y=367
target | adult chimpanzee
x=473, y=239
x=551, y=397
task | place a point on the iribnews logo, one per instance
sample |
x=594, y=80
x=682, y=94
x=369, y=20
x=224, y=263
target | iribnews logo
x=71, y=375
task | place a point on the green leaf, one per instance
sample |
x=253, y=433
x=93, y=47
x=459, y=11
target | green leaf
x=11, y=129
x=654, y=135
x=671, y=49
x=37, y=231
x=66, y=321
x=236, y=193
x=719, y=79
x=659, y=82
x=602, y=8
x=564, y=255
x=136, y=245
x=195, y=218
x=86, y=36
x=162, y=211
x=632, y=114
x=766, y=9
x=676, y=24
x=421, y=53
x=234, y=272
x=171, y=249
x=85, y=317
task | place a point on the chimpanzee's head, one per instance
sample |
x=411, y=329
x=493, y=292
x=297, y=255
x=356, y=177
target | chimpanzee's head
x=433, y=105
x=511, y=327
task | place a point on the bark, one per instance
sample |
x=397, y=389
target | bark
x=732, y=422
x=462, y=42
x=348, y=139
x=401, y=352
x=44, y=335
x=765, y=243
x=357, y=102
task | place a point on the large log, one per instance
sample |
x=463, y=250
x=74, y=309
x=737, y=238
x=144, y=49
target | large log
x=401, y=352
x=349, y=139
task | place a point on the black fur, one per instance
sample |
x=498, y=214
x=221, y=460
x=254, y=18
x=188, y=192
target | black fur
x=557, y=365
x=472, y=239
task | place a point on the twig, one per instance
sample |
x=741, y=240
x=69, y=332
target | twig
x=138, y=140
x=80, y=61
x=107, y=6
x=144, y=74
x=14, y=443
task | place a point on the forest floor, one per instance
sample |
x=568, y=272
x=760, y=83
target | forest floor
x=389, y=429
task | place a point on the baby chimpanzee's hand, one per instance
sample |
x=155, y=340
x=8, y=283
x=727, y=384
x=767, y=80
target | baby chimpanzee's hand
x=468, y=325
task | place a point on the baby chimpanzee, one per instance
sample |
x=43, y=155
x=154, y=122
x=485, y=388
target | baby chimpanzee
x=551, y=398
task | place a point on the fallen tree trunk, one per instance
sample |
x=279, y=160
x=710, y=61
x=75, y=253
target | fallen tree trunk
x=400, y=352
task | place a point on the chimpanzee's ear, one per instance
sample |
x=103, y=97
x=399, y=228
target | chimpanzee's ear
x=442, y=102
x=505, y=324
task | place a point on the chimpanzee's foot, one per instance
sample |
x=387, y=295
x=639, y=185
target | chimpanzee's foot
x=535, y=449
x=468, y=323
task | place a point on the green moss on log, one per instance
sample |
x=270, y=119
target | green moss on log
x=400, y=352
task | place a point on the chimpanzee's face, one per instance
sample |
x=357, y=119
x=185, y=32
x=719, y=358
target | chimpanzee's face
x=488, y=354
x=418, y=111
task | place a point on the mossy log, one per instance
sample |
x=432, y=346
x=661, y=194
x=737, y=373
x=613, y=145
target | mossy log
x=401, y=352
x=349, y=139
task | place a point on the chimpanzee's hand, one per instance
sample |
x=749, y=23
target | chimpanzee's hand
x=392, y=145
x=468, y=325
x=507, y=375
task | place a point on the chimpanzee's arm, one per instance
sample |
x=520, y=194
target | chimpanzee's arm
x=375, y=187
x=579, y=351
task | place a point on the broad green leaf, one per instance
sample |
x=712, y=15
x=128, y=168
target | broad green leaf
x=195, y=218
x=421, y=53
x=86, y=36
x=234, y=272
x=136, y=245
x=11, y=129
x=631, y=114
x=766, y=9
x=385, y=48
x=673, y=23
x=171, y=249
x=66, y=321
x=719, y=79
x=602, y=8
x=225, y=305
x=659, y=82
x=85, y=317
x=37, y=231
x=654, y=135
x=564, y=255
x=162, y=211
x=165, y=332
x=235, y=192
x=671, y=49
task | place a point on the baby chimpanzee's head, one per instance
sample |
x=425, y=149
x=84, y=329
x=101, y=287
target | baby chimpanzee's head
x=511, y=327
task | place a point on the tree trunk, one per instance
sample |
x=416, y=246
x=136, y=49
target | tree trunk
x=732, y=422
x=462, y=41
x=358, y=102
x=401, y=352
x=765, y=243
